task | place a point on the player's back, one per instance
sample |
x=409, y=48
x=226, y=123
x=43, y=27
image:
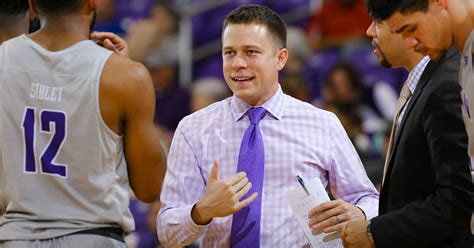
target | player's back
x=61, y=166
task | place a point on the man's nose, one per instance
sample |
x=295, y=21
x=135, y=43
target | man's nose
x=239, y=62
x=411, y=42
x=371, y=30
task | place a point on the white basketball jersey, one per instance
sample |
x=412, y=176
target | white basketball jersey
x=62, y=169
x=466, y=79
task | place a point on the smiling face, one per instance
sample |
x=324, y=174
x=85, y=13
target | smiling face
x=251, y=61
x=427, y=32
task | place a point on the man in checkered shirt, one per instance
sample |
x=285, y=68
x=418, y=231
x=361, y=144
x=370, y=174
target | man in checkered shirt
x=202, y=188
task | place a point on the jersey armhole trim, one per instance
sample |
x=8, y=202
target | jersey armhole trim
x=97, y=77
x=2, y=62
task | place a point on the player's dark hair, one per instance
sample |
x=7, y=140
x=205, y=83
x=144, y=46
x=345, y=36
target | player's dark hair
x=13, y=7
x=384, y=9
x=258, y=14
x=59, y=6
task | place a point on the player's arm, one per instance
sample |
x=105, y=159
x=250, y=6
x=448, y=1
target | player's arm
x=128, y=88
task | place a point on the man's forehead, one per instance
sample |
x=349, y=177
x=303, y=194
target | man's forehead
x=397, y=21
x=379, y=22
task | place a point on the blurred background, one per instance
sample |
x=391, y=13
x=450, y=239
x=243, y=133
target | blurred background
x=331, y=66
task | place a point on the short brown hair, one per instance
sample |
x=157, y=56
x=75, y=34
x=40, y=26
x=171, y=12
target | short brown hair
x=258, y=14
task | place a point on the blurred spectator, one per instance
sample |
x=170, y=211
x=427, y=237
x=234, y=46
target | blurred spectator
x=144, y=235
x=206, y=91
x=374, y=165
x=172, y=101
x=151, y=222
x=107, y=20
x=385, y=99
x=154, y=42
x=292, y=79
x=337, y=23
x=129, y=10
x=342, y=95
x=155, y=35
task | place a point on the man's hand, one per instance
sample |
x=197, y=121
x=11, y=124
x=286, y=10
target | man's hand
x=332, y=216
x=222, y=197
x=112, y=42
x=354, y=235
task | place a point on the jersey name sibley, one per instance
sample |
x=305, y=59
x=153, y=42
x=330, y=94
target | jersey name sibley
x=44, y=92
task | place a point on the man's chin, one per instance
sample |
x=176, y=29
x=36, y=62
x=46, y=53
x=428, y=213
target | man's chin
x=384, y=63
x=240, y=93
x=437, y=56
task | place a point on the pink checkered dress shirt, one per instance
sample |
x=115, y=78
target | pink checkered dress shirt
x=299, y=139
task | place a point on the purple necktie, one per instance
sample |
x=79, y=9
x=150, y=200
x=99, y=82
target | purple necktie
x=246, y=222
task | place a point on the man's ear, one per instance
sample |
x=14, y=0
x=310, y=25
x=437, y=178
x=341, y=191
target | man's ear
x=442, y=3
x=282, y=58
x=33, y=8
x=91, y=5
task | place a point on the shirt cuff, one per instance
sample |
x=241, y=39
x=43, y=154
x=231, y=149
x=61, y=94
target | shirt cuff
x=189, y=226
x=370, y=209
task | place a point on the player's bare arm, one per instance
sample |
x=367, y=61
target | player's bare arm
x=127, y=103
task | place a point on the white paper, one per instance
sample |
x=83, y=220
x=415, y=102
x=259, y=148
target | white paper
x=301, y=204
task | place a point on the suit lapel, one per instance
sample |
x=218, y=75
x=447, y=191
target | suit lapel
x=424, y=79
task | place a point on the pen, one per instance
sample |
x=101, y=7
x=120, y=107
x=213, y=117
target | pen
x=300, y=180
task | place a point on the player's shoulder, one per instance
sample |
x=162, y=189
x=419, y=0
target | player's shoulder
x=123, y=66
x=1, y=57
x=127, y=82
x=446, y=75
x=120, y=70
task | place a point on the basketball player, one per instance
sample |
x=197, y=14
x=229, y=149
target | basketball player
x=14, y=18
x=72, y=114
x=431, y=27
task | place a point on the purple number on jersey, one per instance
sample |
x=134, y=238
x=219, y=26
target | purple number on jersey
x=29, y=136
x=47, y=117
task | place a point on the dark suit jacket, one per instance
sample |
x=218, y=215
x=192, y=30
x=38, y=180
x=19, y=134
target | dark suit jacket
x=427, y=194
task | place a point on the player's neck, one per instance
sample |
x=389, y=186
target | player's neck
x=61, y=32
x=12, y=26
x=464, y=26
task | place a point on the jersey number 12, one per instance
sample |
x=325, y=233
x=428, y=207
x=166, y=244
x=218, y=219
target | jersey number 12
x=47, y=118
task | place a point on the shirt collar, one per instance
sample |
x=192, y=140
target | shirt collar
x=415, y=74
x=274, y=105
